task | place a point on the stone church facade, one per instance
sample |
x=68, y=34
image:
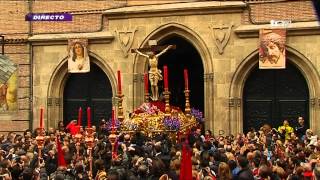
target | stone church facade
x=224, y=33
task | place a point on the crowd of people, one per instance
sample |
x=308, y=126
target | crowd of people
x=267, y=153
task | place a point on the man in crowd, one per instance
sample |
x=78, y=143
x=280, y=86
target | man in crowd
x=301, y=128
x=141, y=157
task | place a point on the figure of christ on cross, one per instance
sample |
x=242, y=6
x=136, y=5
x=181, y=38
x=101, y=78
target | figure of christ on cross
x=154, y=73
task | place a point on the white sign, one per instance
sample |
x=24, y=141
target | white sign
x=152, y=42
x=280, y=23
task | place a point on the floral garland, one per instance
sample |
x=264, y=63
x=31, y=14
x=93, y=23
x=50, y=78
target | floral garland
x=171, y=123
x=147, y=108
x=197, y=114
x=129, y=125
x=117, y=124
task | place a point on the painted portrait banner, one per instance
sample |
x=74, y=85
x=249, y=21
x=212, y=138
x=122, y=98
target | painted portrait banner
x=8, y=85
x=272, y=51
x=78, y=59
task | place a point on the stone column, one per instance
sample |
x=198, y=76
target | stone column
x=209, y=101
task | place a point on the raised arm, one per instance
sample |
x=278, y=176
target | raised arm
x=165, y=50
x=140, y=53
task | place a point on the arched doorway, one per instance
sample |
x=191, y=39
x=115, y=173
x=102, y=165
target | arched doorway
x=185, y=56
x=270, y=96
x=84, y=90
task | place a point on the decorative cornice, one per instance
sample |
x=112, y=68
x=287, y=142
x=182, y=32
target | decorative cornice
x=58, y=101
x=176, y=9
x=115, y=101
x=234, y=102
x=16, y=41
x=312, y=101
x=49, y=101
x=136, y=77
x=106, y=37
x=208, y=77
x=293, y=29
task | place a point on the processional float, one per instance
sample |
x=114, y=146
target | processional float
x=151, y=118
x=155, y=117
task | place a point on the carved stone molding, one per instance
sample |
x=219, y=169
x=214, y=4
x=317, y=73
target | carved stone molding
x=49, y=102
x=137, y=77
x=221, y=35
x=57, y=101
x=115, y=101
x=234, y=102
x=313, y=101
x=208, y=77
x=125, y=38
x=142, y=78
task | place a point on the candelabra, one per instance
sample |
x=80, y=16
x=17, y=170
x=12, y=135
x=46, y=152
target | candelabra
x=89, y=139
x=78, y=138
x=40, y=143
x=187, y=105
x=120, y=108
x=113, y=138
x=166, y=94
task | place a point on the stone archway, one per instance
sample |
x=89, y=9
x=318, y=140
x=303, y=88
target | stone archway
x=164, y=32
x=243, y=71
x=57, y=84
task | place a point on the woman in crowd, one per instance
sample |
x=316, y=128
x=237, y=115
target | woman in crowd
x=265, y=154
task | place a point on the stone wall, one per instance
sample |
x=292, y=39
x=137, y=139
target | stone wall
x=89, y=17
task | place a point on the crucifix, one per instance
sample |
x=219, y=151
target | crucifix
x=154, y=73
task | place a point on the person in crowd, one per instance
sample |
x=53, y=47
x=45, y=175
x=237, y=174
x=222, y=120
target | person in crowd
x=101, y=174
x=301, y=128
x=285, y=130
x=224, y=171
x=245, y=172
x=316, y=172
x=142, y=157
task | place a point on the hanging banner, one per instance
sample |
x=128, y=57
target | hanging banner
x=8, y=85
x=78, y=60
x=272, y=51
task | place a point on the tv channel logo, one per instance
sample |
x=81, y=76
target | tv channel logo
x=49, y=17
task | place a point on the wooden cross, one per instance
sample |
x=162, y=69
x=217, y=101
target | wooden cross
x=153, y=47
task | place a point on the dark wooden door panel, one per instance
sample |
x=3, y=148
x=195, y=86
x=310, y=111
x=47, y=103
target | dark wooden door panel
x=291, y=109
x=270, y=96
x=84, y=90
x=258, y=112
x=101, y=110
x=71, y=107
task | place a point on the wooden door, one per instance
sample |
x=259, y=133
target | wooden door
x=270, y=96
x=84, y=90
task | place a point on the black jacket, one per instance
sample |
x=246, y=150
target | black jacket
x=244, y=174
x=300, y=131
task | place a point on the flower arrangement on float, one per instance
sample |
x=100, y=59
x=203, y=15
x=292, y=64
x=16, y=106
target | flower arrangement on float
x=151, y=118
x=154, y=117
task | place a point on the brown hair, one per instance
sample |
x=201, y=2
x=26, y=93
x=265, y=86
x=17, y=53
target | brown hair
x=74, y=51
x=224, y=171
